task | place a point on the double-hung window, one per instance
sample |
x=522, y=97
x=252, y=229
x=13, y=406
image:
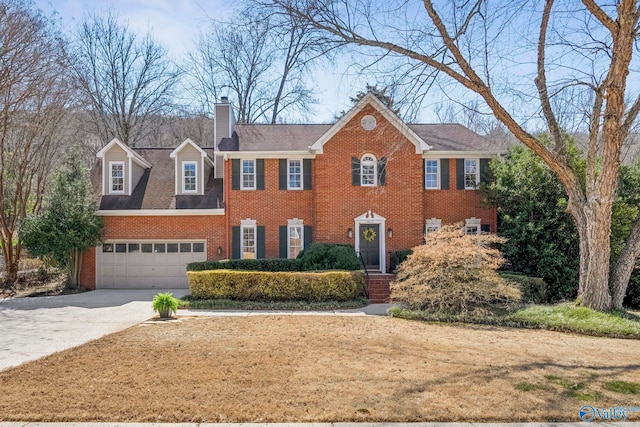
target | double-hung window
x=368, y=171
x=294, y=175
x=471, y=174
x=189, y=177
x=431, y=174
x=248, y=242
x=472, y=226
x=116, y=177
x=248, y=175
x=295, y=240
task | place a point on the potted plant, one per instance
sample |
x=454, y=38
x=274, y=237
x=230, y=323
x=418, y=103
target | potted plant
x=165, y=304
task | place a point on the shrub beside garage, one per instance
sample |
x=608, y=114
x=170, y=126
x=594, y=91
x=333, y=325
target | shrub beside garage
x=276, y=286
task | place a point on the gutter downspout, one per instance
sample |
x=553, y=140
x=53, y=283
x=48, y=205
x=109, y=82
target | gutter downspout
x=226, y=208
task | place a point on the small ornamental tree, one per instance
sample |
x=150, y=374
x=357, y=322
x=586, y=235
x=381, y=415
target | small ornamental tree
x=68, y=225
x=453, y=273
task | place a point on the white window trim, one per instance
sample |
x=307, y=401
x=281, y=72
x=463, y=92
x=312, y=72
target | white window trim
x=437, y=187
x=375, y=170
x=246, y=224
x=289, y=174
x=477, y=174
x=111, y=165
x=433, y=223
x=184, y=177
x=472, y=222
x=295, y=222
x=242, y=174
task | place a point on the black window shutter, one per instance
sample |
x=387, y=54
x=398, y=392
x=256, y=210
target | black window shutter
x=235, y=174
x=460, y=174
x=484, y=171
x=282, y=174
x=424, y=173
x=444, y=174
x=485, y=228
x=260, y=241
x=235, y=242
x=306, y=174
x=284, y=237
x=260, y=174
x=382, y=171
x=308, y=236
x=355, y=171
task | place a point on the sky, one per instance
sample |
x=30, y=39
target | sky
x=177, y=23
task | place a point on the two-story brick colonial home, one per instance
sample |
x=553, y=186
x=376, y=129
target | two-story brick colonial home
x=267, y=191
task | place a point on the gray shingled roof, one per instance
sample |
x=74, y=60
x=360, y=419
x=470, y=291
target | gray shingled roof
x=279, y=137
x=156, y=188
x=255, y=137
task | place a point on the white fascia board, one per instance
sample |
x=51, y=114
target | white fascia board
x=461, y=154
x=161, y=212
x=267, y=154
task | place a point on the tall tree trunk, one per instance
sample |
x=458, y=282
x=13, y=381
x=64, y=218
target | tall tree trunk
x=625, y=264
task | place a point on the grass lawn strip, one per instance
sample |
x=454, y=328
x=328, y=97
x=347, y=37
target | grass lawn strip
x=565, y=317
x=304, y=369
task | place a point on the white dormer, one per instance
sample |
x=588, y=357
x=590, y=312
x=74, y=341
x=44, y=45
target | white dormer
x=192, y=168
x=122, y=168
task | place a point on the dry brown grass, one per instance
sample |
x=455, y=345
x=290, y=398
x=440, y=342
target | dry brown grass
x=283, y=368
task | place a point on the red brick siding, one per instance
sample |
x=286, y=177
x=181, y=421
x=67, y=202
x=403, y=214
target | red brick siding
x=338, y=202
x=270, y=207
x=208, y=227
x=453, y=205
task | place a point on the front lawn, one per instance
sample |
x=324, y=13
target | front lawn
x=324, y=368
x=565, y=317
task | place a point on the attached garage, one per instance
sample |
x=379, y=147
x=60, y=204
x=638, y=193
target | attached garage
x=146, y=264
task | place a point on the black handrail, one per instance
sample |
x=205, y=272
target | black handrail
x=366, y=275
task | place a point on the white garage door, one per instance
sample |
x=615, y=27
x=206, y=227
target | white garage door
x=145, y=265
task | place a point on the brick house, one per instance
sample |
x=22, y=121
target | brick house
x=267, y=191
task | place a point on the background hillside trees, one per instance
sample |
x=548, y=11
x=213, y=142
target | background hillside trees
x=35, y=99
x=127, y=80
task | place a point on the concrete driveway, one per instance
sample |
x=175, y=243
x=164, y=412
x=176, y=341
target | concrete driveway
x=35, y=327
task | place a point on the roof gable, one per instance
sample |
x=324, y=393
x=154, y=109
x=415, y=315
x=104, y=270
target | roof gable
x=186, y=142
x=130, y=153
x=391, y=117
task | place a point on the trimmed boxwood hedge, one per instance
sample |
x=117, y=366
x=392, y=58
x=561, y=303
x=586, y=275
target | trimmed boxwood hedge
x=247, y=264
x=276, y=286
x=317, y=257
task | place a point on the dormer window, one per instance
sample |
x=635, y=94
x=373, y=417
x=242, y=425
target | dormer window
x=189, y=177
x=116, y=177
x=368, y=170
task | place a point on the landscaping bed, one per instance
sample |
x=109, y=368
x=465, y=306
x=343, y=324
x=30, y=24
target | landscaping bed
x=303, y=369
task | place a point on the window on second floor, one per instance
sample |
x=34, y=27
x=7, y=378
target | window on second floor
x=294, y=175
x=116, y=177
x=248, y=175
x=368, y=171
x=471, y=174
x=431, y=174
x=189, y=180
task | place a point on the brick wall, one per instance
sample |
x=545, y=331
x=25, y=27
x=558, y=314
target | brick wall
x=270, y=207
x=400, y=201
x=209, y=227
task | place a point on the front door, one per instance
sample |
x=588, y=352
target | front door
x=370, y=245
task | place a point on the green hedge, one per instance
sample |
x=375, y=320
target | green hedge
x=534, y=289
x=328, y=256
x=247, y=264
x=278, y=286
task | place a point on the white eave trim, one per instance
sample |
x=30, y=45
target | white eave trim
x=461, y=154
x=160, y=212
x=371, y=99
x=267, y=154
x=130, y=153
x=203, y=154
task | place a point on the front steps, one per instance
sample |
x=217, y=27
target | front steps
x=378, y=287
